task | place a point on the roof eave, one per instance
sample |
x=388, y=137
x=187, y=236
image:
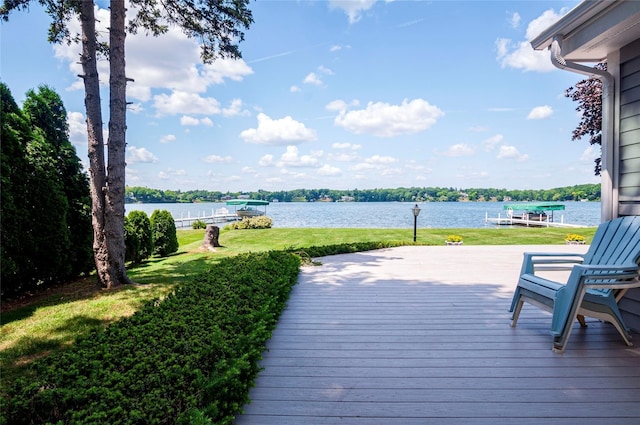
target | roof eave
x=576, y=17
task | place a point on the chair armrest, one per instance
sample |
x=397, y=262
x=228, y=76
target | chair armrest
x=609, y=276
x=549, y=261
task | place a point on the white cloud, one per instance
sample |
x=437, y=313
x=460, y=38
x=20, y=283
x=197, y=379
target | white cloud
x=295, y=89
x=329, y=170
x=140, y=155
x=278, y=132
x=363, y=166
x=343, y=156
x=325, y=70
x=168, y=138
x=149, y=65
x=266, y=161
x=520, y=55
x=187, y=120
x=590, y=154
x=459, y=149
x=191, y=121
x=340, y=105
x=166, y=175
x=338, y=47
x=291, y=158
x=180, y=102
x=77, y=128
x=220, y=69
x=346, y=145
x=385, y=120
x=511, y=152
x=353, y=8
x=381, y=160
x=313, y=79
x=391, y=172
x=514, y=20
x=540, y=112
x=217, y=159
x=542, y=22
x=493, y=141
x=235, y=109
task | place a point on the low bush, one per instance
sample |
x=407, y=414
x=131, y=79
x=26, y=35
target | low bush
x=165, y=238
x=131, y=241
x=189, y=358
x=345, y=248
x=198, y=224
x=260, y=222
x=140, y=224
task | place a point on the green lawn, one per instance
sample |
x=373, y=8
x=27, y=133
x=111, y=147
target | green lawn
x=38, y=325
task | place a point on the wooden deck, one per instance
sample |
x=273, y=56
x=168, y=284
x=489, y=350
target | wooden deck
x=418, y=335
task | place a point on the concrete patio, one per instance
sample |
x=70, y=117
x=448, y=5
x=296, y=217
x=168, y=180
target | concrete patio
x=417, y=335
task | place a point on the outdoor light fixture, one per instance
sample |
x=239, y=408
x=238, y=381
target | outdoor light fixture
x=416, y=213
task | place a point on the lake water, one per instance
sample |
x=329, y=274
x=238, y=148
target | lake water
x=381, y=214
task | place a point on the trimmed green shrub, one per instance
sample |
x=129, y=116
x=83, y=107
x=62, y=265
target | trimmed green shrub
x=260, y=222
x=165, y=238
x=142, y=227
x=131, y=241
x=191, y=357
x=198, y=224
x=345, y=248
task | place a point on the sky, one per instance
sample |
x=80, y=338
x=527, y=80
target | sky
x=339, y=94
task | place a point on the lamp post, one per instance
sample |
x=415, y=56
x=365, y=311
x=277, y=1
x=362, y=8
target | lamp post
x=416, y=213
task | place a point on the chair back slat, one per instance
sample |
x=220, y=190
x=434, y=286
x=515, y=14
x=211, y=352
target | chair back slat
x=616, y=242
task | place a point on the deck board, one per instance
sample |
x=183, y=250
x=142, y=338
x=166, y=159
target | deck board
x=416, y=335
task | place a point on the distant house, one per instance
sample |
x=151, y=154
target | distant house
x=593, y=32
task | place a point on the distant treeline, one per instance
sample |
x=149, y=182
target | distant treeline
x=590, y=192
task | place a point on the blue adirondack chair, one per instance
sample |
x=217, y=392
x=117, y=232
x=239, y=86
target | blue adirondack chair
x=598, y=279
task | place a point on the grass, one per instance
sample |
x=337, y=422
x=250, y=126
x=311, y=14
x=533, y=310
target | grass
x=37, y=325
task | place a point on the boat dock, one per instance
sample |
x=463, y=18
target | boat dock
x=531, y=214
x=221, y=215
x=529, y=222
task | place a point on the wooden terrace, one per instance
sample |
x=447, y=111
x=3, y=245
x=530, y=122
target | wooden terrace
x=421, y=335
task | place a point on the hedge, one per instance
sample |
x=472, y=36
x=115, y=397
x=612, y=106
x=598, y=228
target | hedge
x=190, y=358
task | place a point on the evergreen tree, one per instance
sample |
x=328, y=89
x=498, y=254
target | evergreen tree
x=46, y=111
x=141, y=226
x=38, y=247
x=165, y=238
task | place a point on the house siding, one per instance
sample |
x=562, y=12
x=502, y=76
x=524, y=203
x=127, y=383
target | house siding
x=629, y=166
x=629, y=125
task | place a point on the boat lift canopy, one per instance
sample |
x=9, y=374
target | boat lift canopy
x=247, y=202
x=534, y=206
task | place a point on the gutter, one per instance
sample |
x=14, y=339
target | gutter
x=559, y=62
x=610, y=210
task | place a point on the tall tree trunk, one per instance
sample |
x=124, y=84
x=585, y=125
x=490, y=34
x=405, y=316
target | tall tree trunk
x=97, y=172
x=106, y=237
x=114, y=217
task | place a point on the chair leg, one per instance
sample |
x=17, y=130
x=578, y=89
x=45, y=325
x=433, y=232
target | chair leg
x=580, y=318
x=516, y=313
